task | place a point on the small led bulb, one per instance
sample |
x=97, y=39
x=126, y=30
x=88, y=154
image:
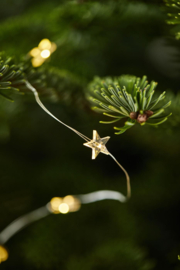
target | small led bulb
x=45, y=53
x=42, y=52
x=64, y=208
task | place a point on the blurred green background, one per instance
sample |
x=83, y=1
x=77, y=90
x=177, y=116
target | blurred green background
x=41, y=159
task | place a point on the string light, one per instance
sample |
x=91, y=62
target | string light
x=97, y=144
x=42, y=52
x=64, y=205
x=56, y=205
x=68, y=203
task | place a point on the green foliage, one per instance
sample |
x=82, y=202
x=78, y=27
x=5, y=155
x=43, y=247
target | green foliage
x=84, y=33
x=173, y=10
x=127, y=97
x=11, y=76
x=53, y=84
x=62, y=85
x=94, y=38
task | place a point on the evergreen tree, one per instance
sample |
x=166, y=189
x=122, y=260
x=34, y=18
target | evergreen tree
x=101, y=45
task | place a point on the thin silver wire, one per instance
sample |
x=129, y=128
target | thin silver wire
x=79, y=134
x=30, y=87
x=25, y=220
x=127, y=176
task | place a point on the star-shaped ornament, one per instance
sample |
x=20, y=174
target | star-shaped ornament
x=97, y=144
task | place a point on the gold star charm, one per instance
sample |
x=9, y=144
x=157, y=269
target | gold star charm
x=97, y=144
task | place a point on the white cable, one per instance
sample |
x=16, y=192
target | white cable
x=21, y=222
x=101, y=195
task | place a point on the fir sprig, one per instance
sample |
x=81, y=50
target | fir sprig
x=10, y=77
x=13, y=76
x=62, y=85
x=127, y=97
x=173, y=12
x=174, y=9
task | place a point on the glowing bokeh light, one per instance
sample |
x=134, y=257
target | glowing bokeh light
x=44, y=44
x=55, y=203
x=42, y=52
x=64, y=205
x=45, y=53
x=69, y=199
x=73, y=203
x=3, y=254
x=37, y=61
x=34, y=52
x=53, y=47
x=64, y=208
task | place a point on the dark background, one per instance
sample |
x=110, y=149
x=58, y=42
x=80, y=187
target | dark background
x=41, y=159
